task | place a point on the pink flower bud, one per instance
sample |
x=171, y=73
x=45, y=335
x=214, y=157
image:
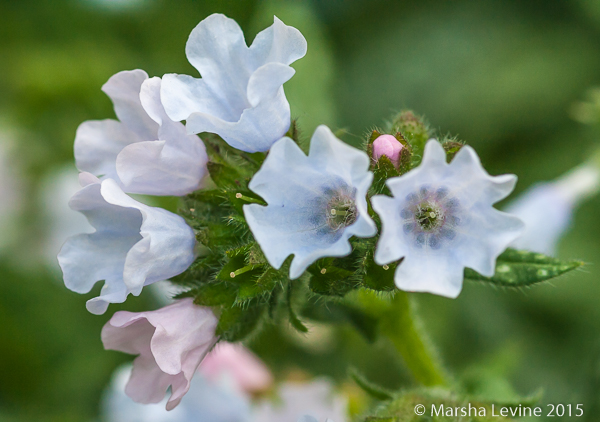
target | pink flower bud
x=389, y=146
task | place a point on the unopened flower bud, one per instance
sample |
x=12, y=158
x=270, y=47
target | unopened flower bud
x=389, y=146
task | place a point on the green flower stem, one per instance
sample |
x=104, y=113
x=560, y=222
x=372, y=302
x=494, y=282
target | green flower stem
x=397, y=322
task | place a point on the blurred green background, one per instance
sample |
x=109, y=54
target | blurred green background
x=503, y=76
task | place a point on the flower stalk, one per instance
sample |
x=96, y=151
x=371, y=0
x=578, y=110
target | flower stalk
x=399, y=323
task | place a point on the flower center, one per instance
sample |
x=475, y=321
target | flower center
x=430, y=217
x=341, y=211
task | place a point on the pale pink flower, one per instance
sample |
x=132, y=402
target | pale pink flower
x=239, y=365
x=171, y=342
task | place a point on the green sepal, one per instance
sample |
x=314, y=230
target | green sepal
x=225, y=176
x=515, y=268
x=260, y=284
x=451, y=146
x=378, y=277
x=213, y=294
x=237, y=269
x=416, y=132
x=382, y=170
x=330, y=280
x=237, y=323
x=368, y=387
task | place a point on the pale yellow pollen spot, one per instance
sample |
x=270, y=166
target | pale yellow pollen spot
x=238, y=195
x=323, y=270
x=333, y=212
x=232, y=274
x=386, y=267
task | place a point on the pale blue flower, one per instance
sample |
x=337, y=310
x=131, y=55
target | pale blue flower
x=145, y=151
x=134, y=245
x=441, y=220
x=547, y=208
x=315, y=202
x=240, y=95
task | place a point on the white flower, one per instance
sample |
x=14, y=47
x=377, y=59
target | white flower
x=145, y=151
x=547, y=208
x=240, y=96
x=297, y=400
x=315, y=203
x=441, y=220
x=134, y=245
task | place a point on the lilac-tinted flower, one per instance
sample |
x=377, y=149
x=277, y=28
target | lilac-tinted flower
x=315, y=202
x=547, y=208
x=235, y=362
x=145, y=151
x=441, y=220
x=134, y=245
x=389, y=146
x=171, y=342
x=240, y=95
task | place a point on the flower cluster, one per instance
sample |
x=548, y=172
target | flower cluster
x=257, y=211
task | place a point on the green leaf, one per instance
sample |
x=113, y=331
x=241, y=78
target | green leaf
x=515, y=268
x=368, y=387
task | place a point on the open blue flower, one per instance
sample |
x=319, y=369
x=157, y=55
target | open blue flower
x=134, y=245
x=315, y=202
x=240, y=95
x=441, y=220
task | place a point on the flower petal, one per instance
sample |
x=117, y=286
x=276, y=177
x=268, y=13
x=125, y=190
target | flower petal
x=166, y=248
x=174, y=165
x=97, y=144
x=123, y=89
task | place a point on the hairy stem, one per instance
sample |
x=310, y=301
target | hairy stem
x=397, y=322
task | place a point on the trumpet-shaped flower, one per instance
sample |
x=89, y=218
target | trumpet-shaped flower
x=441, y=220
x=171, y=342
x=145, y=151
x=315, y=202
x=547, y=208
x=134, y=245
x=240, y=95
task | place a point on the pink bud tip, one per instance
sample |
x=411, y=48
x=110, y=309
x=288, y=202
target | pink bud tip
x=389, y=146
